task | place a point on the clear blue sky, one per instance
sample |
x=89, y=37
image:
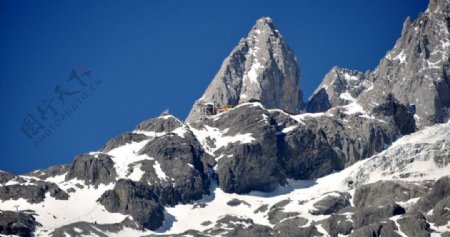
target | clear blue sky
x=153, y=55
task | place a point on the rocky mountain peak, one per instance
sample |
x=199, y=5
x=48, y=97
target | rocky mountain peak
x=264, y=23
x=262, y=67
x=264, y=26
x=340, y=86
x=416, y=70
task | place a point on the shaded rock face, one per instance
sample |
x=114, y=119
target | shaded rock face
x=387, y=228
x=252, y=231
x=319, y=101
x=306, y=153
x=337, y=224
x=331, y=203
x=402, y=115
x=369, y=215
x=279, y=147
x=9, y=224
x=383, y=192
x=236, y=202
x=416, y=70
x=326, y=144
x=231, y=226
x=33, y=193
x=262, y=67
x=6, y=176
x=166, y=123
x=138, y=200
x=183, y=177
x=50, y=172
x=185, y=165
x=414, y=225
x=292, y=228
x=241, y=174
x=277, y=213
x=247, y=166
x=93, y=169
x=439, y=191
x=339, y=87
x=90, y=229
x=122, y=139
x=441, y=212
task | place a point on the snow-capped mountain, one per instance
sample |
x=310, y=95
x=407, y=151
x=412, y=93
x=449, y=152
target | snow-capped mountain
x=370, y=157
x=415, y=71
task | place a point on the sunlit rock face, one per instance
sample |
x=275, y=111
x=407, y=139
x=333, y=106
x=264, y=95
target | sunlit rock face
x=262, y=68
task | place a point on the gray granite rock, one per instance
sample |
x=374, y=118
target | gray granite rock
x=277, y=212
x=337, y=225
x=382, y=192
x=91, y=229
x=402, y=116
x=236, y=202
x=122, y=139
x=261, y=67
x=339, y=87
x=331, y=203
x=33, y=193
x=414, y=225
x=441, y=212
x=324, y=144
x=92, y=169
x=416, y=70
x=137, y=200
x=312, y=148
x=251, y=231
x=294, y=227
x=248, y=166
x=387, y=228
x=439, y=191
x=52, y=171
x=319, y=101
x=369, y=215
x=185, y=165
x=6, y=176
x=262, y=208
x=166, y=123
x=21, y=224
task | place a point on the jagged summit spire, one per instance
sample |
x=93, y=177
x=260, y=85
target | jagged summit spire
x=264, y=23
x=264, y=27
x=264, y=20
x=261, y=67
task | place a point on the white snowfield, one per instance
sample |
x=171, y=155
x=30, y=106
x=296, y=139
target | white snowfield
x=409, y=155
x=219, y=138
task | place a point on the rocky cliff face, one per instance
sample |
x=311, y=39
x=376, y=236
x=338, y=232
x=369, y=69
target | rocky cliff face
x=416, y=70
x=354, y=165
x=339, y=87
x=270, y=146
x=262, y=67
